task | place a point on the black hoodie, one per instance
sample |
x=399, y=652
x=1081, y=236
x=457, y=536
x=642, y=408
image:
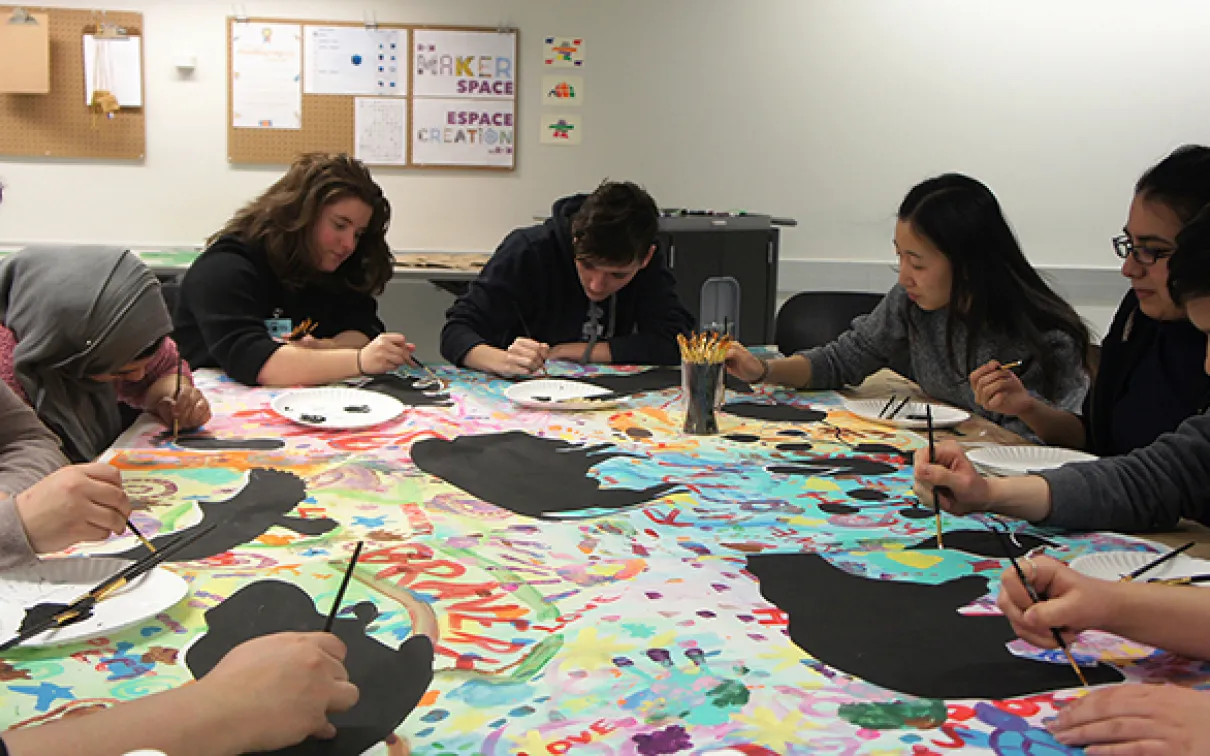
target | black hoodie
x=530, y=288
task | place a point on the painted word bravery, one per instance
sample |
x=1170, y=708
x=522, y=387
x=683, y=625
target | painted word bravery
x=464, y=64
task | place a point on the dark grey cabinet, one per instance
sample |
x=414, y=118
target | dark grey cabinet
x=702, y=248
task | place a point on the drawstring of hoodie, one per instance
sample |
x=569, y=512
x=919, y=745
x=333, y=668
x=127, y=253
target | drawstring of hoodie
x=593, y=327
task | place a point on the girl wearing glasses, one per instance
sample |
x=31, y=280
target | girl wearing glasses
x=966, y=295
x=1150, y=376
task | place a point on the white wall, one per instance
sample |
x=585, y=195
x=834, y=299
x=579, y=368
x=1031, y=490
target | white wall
x=822, y=110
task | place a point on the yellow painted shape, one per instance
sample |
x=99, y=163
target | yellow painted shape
x=916, y=559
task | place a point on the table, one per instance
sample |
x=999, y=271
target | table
x=636, y=631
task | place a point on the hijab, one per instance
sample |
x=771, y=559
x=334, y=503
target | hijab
x=78, y=311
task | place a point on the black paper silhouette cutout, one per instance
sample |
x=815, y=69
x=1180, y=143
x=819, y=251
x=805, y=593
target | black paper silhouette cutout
x=391, y=681
x=208, y=442
x=779, y=413
x=404, y=389
x=984, y=543
x=529, y=475
x=261, y=504
x=906, y=637
x=655, y=379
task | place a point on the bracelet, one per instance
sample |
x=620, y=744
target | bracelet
x=359, y=370
x=764, y=372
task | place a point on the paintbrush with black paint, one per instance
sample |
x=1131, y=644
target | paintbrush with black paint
x=82, y=607
x=1038, y=598
x=928, y=414
x=176, y=397
x=344, y=584
x=528, y=335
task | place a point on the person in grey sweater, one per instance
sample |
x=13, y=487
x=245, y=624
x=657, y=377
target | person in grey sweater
x=46, y=505
x=1150, y=488
x=966, y=298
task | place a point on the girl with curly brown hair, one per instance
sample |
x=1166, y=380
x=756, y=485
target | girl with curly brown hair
x=309, y=253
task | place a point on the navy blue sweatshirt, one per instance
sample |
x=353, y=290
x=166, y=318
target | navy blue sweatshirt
x=531, y=284
x=229, y=293
x=1150, y=380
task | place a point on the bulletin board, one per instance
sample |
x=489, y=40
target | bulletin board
x=59, y=124
x=458, y=107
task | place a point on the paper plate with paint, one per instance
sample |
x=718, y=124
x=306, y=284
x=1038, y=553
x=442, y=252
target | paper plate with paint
x=1023, y=460
x=911, y=415
x=62, y=581
x=337, y=408
x=1113, y=565
x=559, y=394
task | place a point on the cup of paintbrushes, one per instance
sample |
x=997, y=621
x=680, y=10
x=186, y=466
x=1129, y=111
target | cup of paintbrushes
x=702, y=381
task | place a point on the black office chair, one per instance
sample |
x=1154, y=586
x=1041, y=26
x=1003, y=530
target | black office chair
x=170, y=289
x=813, y=318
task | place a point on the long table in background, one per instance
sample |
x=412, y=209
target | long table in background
x=623, y=614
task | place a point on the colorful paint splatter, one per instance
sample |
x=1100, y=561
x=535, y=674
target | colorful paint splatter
x=633, y=631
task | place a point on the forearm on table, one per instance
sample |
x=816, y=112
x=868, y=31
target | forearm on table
x=601, y=351
x=484, y=358
x=179, y=722
x=1172, y=618
x=294, y=365
x=350, y=340
x=1054, y=426
x=794, y=371
x=1026, y=497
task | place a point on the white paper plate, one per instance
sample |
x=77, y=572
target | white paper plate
x=1112, y=565
x=62, y=581
x=558, y=394
x=911, y=416
x=1022, y=460
x=340, y=408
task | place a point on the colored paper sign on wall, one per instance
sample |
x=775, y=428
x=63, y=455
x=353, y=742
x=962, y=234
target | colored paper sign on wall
x=562, y=128
x=563, y=52
x=463, y=132
x=464, y=64
x=561, y=91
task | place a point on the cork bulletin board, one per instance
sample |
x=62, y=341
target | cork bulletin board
x=465, y=105
x=59, y=124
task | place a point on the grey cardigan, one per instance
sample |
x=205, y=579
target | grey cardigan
x=28, y=453
x=1148, y=489
x=900, y=335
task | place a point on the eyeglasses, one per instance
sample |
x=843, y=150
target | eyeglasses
x=1142, y=255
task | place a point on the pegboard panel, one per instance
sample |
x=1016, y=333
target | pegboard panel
x=59, y=124
x=327, y=120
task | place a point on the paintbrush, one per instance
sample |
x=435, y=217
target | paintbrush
x=1188, y=580
x=1037, y=598
x=302, y=329
x=887, y=406
x=899, y=408
x=340, y=593
x=1157, y=562
x=79, y=608
x=140, y=536
x=928, y=414
x=433, y=376
x=176, y=423
x=528, y=335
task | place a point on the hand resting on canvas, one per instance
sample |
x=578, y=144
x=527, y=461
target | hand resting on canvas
x=1124, y=719
x=73, y=504
x=265, y=694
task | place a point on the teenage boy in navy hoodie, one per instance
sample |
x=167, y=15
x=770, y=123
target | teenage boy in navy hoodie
x=588, y=285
